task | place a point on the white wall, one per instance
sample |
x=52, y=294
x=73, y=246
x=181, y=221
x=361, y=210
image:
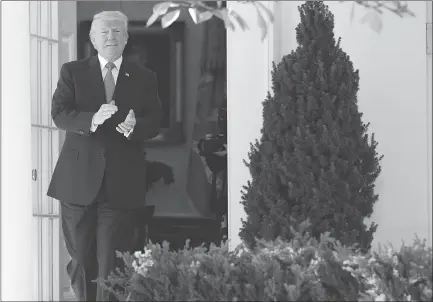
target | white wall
x=248, y=81
x=394, y=98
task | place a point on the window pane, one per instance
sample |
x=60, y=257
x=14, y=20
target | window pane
x=44, y=70
x=46, y=239
x=45, y=81
x=34, y=17
x=37, y=280
x=54, y=76
x=35, y=166
x=56, y=258
x=34, y=78
x=45, y=19
x=44, y=155
x=54, y=19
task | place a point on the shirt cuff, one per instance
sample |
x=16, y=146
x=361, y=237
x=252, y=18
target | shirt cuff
x=93, y=127
x=129, y=133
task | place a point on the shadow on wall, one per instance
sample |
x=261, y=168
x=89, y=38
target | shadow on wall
x=170, y=200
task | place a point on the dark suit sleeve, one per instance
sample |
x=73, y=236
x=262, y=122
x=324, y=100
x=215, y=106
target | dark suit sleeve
x=63, y=110
x=149, y=120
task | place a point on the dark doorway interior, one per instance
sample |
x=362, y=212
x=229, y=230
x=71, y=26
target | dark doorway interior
x=155, y=48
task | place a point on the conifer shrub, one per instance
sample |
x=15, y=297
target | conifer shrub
x=315, y=159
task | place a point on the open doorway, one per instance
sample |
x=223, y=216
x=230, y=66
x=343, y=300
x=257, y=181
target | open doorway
x=190, y=63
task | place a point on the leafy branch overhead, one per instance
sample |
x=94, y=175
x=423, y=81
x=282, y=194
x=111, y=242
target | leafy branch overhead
x=377, y=8
x=201, y=11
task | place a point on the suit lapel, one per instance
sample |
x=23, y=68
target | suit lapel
x=95, y=81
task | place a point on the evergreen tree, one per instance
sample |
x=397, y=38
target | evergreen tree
x=314, y=160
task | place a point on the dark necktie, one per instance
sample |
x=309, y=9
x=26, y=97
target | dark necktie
x=109, y=82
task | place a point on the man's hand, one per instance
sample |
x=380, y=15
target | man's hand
x=128, y=124
x=104, y=113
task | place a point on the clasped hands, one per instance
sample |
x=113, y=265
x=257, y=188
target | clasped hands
x=107, y=110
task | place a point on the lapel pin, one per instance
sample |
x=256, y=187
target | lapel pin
x=127, y=74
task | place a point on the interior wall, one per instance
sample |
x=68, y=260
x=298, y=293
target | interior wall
x=170, y=200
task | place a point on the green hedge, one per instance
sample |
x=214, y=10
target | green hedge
x=301, y=270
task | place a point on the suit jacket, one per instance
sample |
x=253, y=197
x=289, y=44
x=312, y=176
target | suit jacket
x=87, y=156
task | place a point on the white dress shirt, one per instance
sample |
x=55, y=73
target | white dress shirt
x=115, y=71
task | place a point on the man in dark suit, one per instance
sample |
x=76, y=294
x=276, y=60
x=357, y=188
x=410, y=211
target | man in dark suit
x=107, y=108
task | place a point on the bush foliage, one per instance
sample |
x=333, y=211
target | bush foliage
x=304, y=269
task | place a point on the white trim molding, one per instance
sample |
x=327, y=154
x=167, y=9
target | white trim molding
x=429, y=101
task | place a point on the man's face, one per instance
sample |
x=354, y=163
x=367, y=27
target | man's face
x=109, y=38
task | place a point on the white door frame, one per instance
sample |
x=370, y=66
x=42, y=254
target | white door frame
x=429, y=100
x=67, y=52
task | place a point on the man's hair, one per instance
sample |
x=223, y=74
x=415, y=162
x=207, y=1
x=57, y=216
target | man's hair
x=108, y=15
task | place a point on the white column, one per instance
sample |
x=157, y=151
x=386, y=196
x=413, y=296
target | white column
x=249, y=61
x=16, y=197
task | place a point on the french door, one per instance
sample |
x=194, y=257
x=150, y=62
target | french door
x=51, y=46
